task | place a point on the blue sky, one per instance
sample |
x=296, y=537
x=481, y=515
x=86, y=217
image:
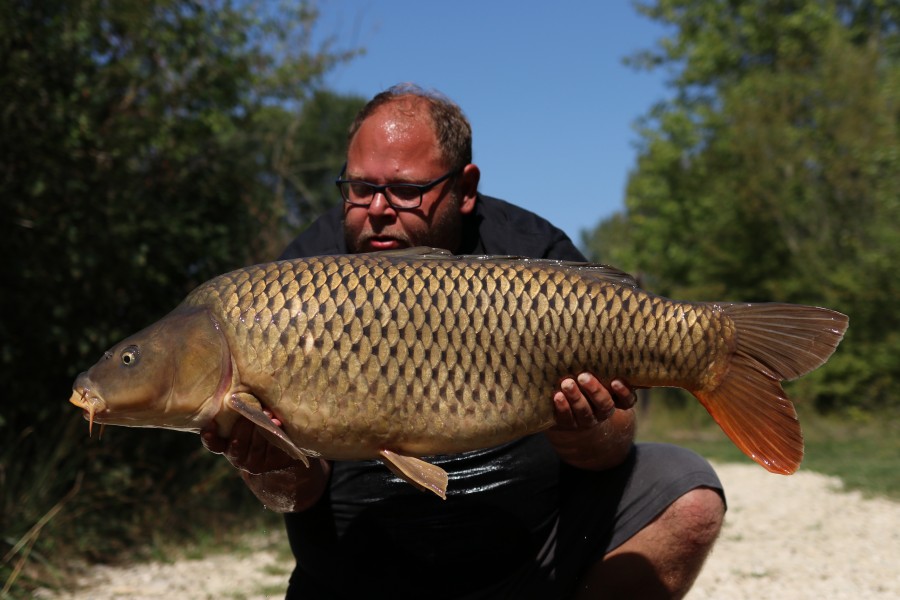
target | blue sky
x=552, y=105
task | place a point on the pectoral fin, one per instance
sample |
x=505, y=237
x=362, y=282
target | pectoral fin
x=423, y=475
x=249, y=407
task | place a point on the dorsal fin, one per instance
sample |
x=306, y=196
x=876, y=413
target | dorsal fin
x=416, y=252
x=596, y=271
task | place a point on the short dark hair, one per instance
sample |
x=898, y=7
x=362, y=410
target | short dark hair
x=451, y=127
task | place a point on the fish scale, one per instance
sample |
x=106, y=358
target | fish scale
x=426, y=358
x=398, y=355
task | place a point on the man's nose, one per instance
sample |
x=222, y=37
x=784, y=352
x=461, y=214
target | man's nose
x=379, y=204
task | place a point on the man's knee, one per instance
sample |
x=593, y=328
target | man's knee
x=696, y=517
x=663, y=559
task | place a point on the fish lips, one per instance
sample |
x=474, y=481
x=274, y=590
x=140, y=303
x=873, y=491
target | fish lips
x=82, y=397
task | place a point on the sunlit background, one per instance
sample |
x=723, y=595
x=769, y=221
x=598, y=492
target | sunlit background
x=551, y=102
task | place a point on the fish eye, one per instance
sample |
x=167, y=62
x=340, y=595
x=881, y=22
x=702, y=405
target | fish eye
x=130, y=356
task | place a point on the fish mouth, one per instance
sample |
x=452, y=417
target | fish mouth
x=90, y=403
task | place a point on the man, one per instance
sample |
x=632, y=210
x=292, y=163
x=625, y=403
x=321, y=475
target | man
x=576, y=511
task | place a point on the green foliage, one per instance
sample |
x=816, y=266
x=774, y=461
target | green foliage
x=144, y=147
x=303, y=174
x=772, y=174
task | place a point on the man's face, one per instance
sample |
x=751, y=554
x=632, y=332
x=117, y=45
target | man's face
x=399, y=146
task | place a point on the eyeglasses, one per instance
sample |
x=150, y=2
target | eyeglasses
x=401, y=196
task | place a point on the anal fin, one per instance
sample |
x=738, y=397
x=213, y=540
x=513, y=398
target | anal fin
x=421, y=474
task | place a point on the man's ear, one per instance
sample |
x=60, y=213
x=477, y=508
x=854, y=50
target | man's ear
x=468, y=188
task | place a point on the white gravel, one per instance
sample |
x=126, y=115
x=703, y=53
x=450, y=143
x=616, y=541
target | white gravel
x=801, y=537
x=790, y=538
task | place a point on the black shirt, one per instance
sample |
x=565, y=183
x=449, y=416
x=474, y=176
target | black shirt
x=494, y=227
x=374, y=535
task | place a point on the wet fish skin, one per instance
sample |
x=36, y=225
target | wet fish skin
x=417, y=352
x=452, y=356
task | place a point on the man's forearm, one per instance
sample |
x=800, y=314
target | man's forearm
x=292, y=489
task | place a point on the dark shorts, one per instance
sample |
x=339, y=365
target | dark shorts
x=595, y=520
x=598, y=511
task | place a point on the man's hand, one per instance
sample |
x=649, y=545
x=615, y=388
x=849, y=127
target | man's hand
x=281, y=482
x=585, y=404
x=594, y=425
x=246, y=448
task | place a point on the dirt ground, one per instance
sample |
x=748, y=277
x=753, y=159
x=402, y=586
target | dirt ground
x=787, y=538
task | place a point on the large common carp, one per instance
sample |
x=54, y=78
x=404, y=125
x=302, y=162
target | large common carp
x=403, y=354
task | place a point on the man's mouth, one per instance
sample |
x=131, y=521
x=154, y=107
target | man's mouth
x=377, y=243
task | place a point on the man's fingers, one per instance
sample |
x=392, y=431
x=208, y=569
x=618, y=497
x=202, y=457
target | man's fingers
x=601, y=401
x=624, y=395
x=256, y=455
x=209, y=437
x=582, y=412
x=563, y=412
x=582, y=403
x=213, y=442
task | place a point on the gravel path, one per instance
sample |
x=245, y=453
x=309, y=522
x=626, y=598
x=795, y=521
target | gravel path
x=790, y=538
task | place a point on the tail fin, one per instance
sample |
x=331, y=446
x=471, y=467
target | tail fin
x=775, y=342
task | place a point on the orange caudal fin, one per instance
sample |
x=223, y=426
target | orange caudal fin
x=752, y=409
x=775, y=342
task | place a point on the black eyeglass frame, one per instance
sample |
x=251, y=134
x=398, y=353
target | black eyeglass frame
x=421, y=188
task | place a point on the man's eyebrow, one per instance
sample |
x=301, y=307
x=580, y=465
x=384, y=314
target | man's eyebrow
x=399, y=179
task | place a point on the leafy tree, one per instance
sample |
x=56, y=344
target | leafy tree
x=773, y=172
x=145, y=146
x=307, y=159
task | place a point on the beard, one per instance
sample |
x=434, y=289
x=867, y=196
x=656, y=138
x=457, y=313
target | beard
x=444, y=230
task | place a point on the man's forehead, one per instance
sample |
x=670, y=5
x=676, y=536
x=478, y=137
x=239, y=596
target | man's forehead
x=395, y=144
x=403, y=116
